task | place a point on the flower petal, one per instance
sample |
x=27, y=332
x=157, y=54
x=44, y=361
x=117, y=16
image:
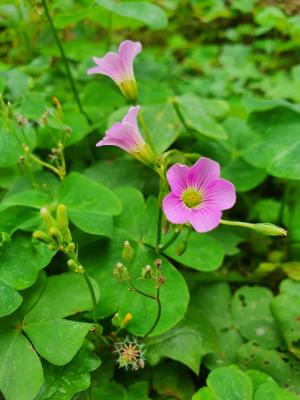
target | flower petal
x=131, y=117
x=177, y=177
x=203, y=172
x=111, y=66
x=220, y=194
x=128, y=50
x=204, y=219
x=176, y=212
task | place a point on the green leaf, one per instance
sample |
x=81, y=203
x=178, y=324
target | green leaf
x=276, y=144
x=163, y=124
x=271, y=391
x=280, y=366
x=21, y=374
x=187, y=342
x=20, y=261
x=174, y=381
x=57, y=340
x=196, y=117
x=10, y=299
x=14, y=218
x=285, y=308
x=60, y=298
x=230, y=383
x=89, y=203
x=62, y=383
x=108, y=390
x=235, y=168
x=203, y=252
x=9, y=148
x=146, y=13
x=252, y=316
x=173, y=305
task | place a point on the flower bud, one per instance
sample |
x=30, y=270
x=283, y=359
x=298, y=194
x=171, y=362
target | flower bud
x=63, y=222
x=55, y=235
x=125, y=320
x=116, y=320
x=71, y=247
x=72, y=264
x=158, y=262
x=127, y=251
x=41, y=236
x=49, y=221
x=120, y=272
x=269, y=229
x=79, y=269
x=147, y=272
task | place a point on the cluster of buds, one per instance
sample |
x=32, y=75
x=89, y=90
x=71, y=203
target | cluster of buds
x=120, y=271
x=130, y=353
x=154, y=274
x=57, y=235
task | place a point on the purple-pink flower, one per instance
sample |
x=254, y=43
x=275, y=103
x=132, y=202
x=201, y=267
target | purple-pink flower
x=198, y=195
x=126, y=135
x=119, y=67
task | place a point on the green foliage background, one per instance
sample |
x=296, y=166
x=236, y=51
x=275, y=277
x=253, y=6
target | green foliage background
x=219, y=78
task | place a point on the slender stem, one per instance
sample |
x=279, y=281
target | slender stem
x=236, y=223
x=45, y=164
x=62, y=52
x=158, y=232
x=158, y=315
x=146, y=131
x=109, y=30
x=170, y=241
x=140, y=292
x=92, y=293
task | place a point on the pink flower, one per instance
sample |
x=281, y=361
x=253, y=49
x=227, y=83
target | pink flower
x=126, y=135
x=119, y=67
x=198, y=195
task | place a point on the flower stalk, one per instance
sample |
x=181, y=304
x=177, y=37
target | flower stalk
x=63, y=55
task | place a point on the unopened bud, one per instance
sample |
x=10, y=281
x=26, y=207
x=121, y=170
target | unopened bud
x=41, y=236
x=125, y=320
x=127, y=251
x=79, y=269
x=63, y=222
x=72, y=264
x=147, y=272
x=161, y=279
x=269, y=229
x=120, y=272
x=55, y=234
x=49, y=221
x=52, y=247
x=71, y=247
x=116, y=320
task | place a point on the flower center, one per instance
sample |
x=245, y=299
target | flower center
x=192, y=198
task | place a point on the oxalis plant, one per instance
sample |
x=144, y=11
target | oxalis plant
x=66, y=312
x=191, y=198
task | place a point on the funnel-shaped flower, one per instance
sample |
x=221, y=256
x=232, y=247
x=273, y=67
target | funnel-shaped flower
x=126, y=135
x=119, y=67
x=198, y=195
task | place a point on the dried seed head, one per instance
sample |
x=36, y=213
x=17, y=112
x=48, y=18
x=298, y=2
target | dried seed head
x=130, y=354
